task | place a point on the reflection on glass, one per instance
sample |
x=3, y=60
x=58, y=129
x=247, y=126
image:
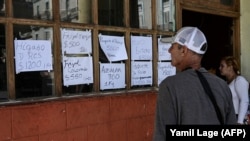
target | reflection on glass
x=140, y=14
x=78, y=11
x=34, y=83
x=3, y=73
x=165, y=15
x=33, y=9
x=110, y=12
x=2, y=7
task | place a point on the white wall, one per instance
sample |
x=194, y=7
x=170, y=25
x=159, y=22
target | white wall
x=245, y=38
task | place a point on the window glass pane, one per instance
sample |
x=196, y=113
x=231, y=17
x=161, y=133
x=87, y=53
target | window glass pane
x=141, y=61
x=112, y=57
x=33, y=61
x=77, y=11
x=77, y=89
x=77, y=61
x=33, y=9
x=102, y=57
x=3, y=73
x=165, y=15
x=110, y=12
x=140, y=14
x=2, y=7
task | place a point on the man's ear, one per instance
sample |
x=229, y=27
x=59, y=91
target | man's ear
x=184, y=49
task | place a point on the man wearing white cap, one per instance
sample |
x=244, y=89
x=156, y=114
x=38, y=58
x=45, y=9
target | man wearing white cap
x=193, y=96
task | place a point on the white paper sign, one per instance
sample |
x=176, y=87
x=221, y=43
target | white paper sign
x=141, y=73
x=77, y=70
x=163, y=51
x=113, y=47
x=33, y=55
x=165, y=69
x=112, y=76
x=76, y=42
x=141, y=48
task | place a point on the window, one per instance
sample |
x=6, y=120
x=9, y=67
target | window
x=3, y=71
x=90, y=47
x=32, y=9
x=77, y=11
x=2, y=8
x=37, y=11
x=111, y=12
x=140, y=13
x=165, y=15
x=30, y=77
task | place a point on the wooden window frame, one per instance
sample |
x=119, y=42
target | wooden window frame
x=9, y=21
x=56, y=24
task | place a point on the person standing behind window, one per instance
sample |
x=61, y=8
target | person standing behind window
x=238, y=85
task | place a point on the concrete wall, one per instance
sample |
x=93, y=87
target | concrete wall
x=126, y=117
x=245, y=38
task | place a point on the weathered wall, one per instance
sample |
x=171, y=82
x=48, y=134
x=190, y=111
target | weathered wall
x=128, y=117
x=245, y=34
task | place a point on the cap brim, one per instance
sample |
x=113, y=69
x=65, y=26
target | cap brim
x=166, y=40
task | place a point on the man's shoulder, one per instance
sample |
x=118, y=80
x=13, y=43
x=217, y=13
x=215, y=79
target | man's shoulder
x=216, y=78
x=177, y=78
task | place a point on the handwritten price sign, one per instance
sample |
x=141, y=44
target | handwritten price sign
x=33, y=55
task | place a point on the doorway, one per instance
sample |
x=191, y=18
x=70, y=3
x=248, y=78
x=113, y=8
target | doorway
x=219, y=34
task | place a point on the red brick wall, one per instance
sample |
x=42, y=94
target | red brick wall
x=104, y=118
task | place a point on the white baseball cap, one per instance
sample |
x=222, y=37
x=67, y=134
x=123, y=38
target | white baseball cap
x=192, y=38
